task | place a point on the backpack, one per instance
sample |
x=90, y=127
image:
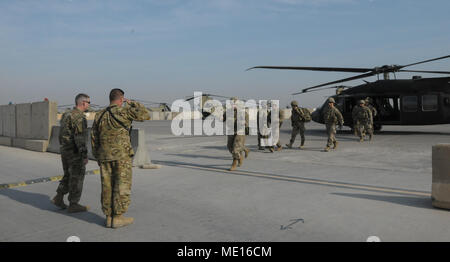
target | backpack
x=306, y=114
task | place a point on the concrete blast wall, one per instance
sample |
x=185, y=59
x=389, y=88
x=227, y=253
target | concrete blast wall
x=23, y=120
x=43, y=117
x=1, y=120
x=9, y=120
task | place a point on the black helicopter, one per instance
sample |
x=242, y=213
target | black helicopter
x=416, y=101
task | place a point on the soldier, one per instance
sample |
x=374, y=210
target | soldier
x=332, y=116
x=267, y=113
x=369, y=104
x=236, y=142
x=362, y=119
x=111, y=147
x=298, y=119
x=72, y=140
x=278, y=144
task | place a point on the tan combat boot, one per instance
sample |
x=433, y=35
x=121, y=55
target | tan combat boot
x=58, y=201
x=247, y=152
x=241, y=160
x=326, y=149
x=75, y=208
x=108, y=222
x=302, y=144
x=271, y=149
x=121, y=221
x=335, y=143
x=279, y=147
x=361, y=139
x=233, y=166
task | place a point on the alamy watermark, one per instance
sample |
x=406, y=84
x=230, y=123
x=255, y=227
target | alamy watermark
x=248, y=117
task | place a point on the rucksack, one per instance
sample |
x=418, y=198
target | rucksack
x=307, y=114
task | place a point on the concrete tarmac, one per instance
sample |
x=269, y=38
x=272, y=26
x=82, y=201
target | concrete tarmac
x=379, y=188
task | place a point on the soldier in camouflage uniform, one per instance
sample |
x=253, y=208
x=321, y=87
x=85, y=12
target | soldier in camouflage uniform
x=111, y=147
x=72, y=140
x=362, y=119
x=369, y=104
x=236, y=142
x=298, y=124
x=332, y=116
x=278, y=144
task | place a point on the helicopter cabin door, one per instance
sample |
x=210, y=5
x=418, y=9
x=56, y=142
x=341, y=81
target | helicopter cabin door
x=420, y=109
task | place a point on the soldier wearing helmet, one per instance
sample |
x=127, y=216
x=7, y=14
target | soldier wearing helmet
x=362, y=120
x=332, y=116
x=298, y=118
x=370, y=105
x=236, y=141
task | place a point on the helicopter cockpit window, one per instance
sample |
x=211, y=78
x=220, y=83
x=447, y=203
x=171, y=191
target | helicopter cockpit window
x=429, y=103
x=409, y=103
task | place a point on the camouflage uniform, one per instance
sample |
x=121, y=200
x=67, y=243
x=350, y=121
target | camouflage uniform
x=236, y=142
x=111, y=147
x=72, y=140
x=362, y=119
x=332, y=116
x=298, y=125
x=374, y=114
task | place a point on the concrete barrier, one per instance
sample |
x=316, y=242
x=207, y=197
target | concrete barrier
x=1, y=120
x=30, y=144
x=440, y=189
x=140, y=159
x=43, y=118
x=23, y=120
x=5, y=141
x=9, y=120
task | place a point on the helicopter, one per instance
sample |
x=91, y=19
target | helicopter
x=204, y=98
x=155, y=106
x=415, y=101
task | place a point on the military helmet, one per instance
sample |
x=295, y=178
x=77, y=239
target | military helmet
x=369, y=100
x=362, y=102
x=331, y=100
x=294, y=103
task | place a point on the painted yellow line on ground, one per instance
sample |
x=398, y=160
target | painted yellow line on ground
x=43, y=180
x=313, y=181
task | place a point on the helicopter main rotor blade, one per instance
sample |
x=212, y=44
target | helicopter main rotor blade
x=337, y=81
x=426, y=61
x=422, y=71
x=332, y=69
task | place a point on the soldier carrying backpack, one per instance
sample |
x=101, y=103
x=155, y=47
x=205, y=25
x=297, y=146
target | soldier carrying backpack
x=298, y=119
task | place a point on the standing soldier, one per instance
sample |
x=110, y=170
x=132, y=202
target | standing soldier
x=362, y=119
x=280, y=122
x=236, y=141
x=298, y=118
x=369, y=104
x=111, y=147
x=72, y=140
x=332, y=116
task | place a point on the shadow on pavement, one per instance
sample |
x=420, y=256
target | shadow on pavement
x=42, y=202
x=412, y=201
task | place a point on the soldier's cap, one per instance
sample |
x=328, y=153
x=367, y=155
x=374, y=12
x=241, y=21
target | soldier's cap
x=331, y=100
x=294, y=103
x=368, y=99
x=362, y=102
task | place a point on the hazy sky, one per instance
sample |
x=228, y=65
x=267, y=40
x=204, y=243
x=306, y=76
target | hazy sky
x=162, y=50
